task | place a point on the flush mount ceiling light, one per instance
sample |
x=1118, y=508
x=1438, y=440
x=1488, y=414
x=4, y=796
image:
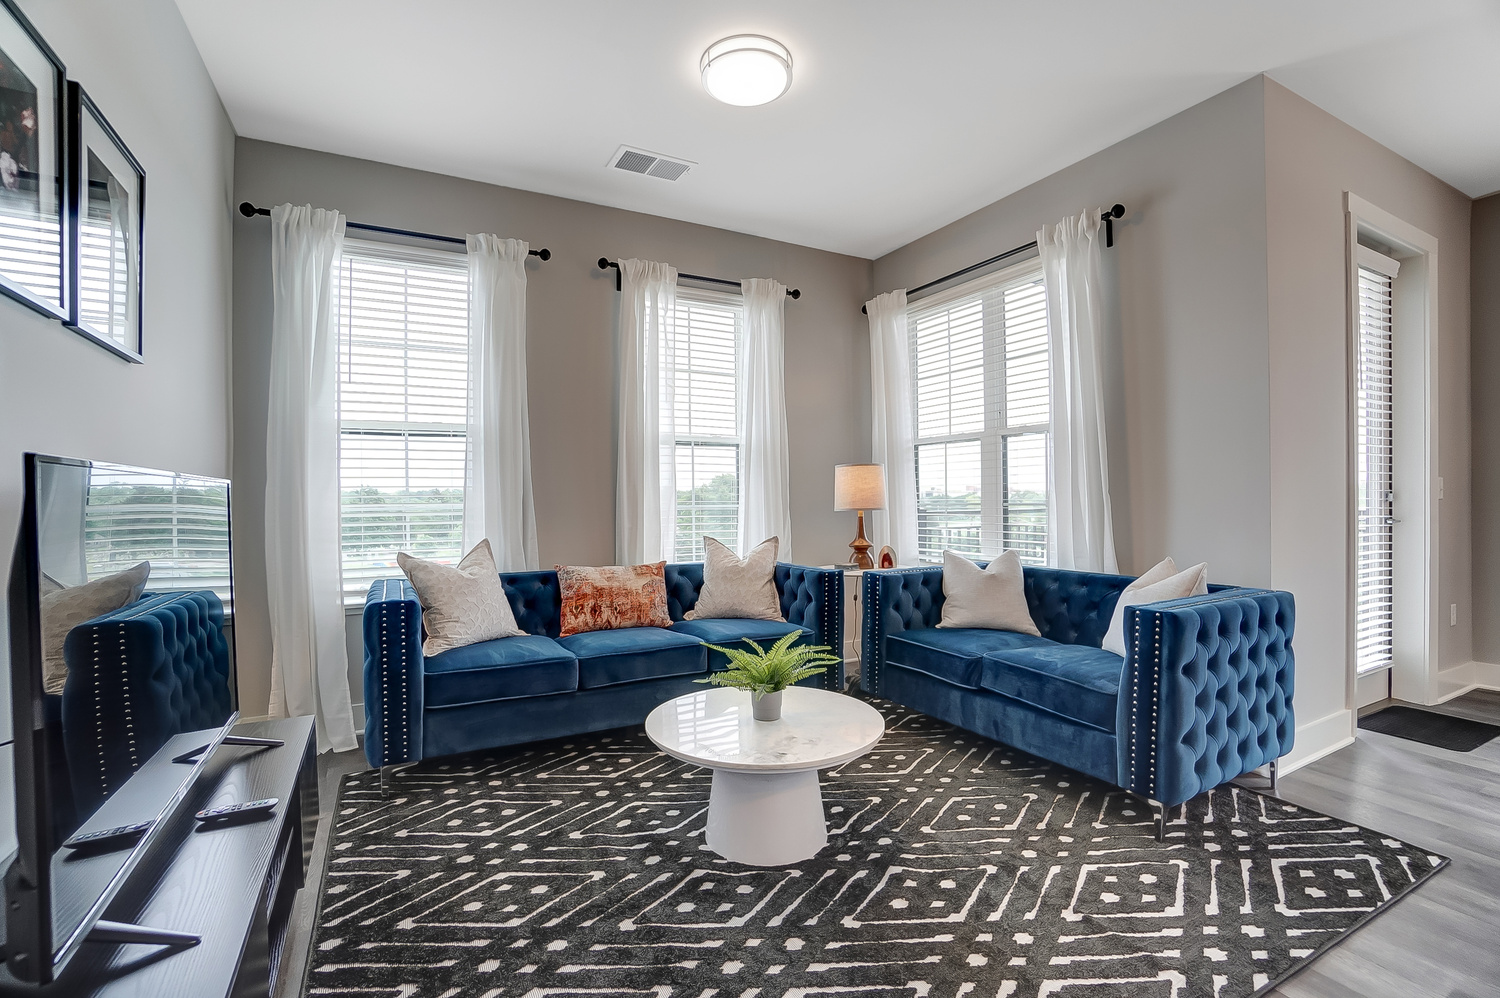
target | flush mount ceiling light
x=746, y=70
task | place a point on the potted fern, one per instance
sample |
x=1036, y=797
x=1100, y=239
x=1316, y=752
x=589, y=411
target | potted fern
x=766, y=672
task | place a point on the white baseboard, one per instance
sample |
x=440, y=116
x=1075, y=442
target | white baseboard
x=1486, y=675
x=1457, y=680
x=1318, y=738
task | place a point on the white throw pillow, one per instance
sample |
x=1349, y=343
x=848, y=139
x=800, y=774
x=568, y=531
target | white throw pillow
x=1162, y=582
x=738, y=587
x=65, y=608
x=993, y=597
x=463, y=605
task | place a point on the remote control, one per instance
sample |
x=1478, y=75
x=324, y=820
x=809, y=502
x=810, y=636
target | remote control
x=236, y=810
x=107, y=836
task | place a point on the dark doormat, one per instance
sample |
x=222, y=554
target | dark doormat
x=1457, y=734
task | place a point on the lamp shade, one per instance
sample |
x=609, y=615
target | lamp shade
x=859, y=486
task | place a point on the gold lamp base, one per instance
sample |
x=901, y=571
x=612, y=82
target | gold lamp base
x=861, y=547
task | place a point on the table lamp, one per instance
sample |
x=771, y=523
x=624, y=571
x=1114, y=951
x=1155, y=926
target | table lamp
x=859, y=487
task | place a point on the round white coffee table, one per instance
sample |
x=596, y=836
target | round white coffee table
x=765, y=807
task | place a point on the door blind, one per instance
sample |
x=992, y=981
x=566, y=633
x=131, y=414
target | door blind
x=705, y=373
x=1375, y=496
x=981, y=378
x=403, y=400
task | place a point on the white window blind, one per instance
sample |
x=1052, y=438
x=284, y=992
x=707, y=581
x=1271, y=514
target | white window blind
x=403, y=396
x=980, y=372
x=1374, y=481
x=180, y=525
x=706, y=379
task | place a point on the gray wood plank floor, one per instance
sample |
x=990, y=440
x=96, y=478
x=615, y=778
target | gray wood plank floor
x=1442, y=941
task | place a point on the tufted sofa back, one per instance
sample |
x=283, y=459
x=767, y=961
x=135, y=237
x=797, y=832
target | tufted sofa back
x=161, y=666
x=536, y=598
x=1068, y=607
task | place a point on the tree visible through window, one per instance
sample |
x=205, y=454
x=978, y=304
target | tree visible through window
x=403, y=397
x=980, y=374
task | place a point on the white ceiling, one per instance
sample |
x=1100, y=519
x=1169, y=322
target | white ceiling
x=901, y=117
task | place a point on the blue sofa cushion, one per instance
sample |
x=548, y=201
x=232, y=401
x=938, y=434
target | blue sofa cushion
x=952, y=654
x=629, y=654
x=502, y=669
x=1080, y=682
x=732, y=633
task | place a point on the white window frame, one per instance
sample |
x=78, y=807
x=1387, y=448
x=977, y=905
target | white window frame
x=997, y=430
x=688, y=548
x=354, y=591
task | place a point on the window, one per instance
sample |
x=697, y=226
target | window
x=403, y=397
x=980, y=374
x=705, y=386
x=1374, y=465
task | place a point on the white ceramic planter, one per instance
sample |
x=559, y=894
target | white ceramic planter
x=767, y=707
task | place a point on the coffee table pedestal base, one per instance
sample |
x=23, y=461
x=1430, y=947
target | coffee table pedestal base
x=766, y=819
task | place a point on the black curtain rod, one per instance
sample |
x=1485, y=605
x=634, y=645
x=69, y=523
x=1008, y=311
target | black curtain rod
x=250, y=211
x=605, y=263
x=1108, y=218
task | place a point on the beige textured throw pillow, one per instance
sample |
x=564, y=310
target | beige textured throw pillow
x=738, y=587
x=1162, y=582
x=463, y=605
x=65, y=608
x=993, y=597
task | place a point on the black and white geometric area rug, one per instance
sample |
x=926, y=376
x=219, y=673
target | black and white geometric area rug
x=955, y=866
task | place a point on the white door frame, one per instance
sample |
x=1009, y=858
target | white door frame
x=1415, y=373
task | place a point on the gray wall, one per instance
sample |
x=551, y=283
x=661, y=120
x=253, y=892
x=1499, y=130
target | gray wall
x=1186, y=355
x=570, y=336
x=60, y=393
x=1483, y=377
x=1312, y=159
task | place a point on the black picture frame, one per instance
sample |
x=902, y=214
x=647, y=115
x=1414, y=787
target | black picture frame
x=28, y=172
x=94, y=147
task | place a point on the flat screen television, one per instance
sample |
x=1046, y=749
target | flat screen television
x=121, y=604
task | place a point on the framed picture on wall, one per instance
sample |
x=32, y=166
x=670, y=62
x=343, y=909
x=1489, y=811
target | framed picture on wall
x=106, y=210
x=33, y=245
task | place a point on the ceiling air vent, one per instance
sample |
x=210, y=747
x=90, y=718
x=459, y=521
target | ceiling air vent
x=650, y=163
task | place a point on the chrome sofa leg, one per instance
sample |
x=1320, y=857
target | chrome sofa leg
x=1159, y=815
x=1275, y=777
x=386, y=772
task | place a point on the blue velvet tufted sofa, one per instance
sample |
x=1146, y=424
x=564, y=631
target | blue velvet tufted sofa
x=1203, y=694
x=537, y=686
x=136, y=677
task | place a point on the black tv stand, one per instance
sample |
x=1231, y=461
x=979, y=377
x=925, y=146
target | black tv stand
x=216, y=902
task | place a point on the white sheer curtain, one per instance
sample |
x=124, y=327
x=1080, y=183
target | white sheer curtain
x=765, y=481
x=894, y=425
x=309, y=666
x=497, y=474
x=646, y=447
x=1080, y=534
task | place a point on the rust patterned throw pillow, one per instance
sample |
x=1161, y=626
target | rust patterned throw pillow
x=602, y=599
